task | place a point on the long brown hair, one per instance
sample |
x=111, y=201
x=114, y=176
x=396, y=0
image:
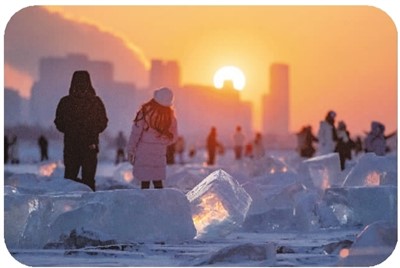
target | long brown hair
x=157, y=117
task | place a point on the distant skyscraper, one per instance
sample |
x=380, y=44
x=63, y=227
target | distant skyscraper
x=200, y=107
x=12, y=107
x=164, y=74
x=276, y=103
x=156, y=73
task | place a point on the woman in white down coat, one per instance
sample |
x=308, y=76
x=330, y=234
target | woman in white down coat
x=153, y=129
x=327, y=135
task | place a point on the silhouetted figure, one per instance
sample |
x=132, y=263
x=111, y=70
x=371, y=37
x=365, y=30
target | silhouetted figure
x=305, y=140
x=7, y=146
x=43, y=147
x=327, y=134
x=13, y=150
x=344, y=144
x=81, y=116
x=180, y=149
x=121, y=145
x=212, y=146
x=258, y=146
x=376, y=140
x=238, y=142
x=153, y=130
x=6, y=149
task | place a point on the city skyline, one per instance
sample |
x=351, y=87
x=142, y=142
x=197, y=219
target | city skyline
x=335, y=54
x=208, y=107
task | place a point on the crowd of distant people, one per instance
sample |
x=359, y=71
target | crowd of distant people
x=329, y=138
x=154, y=141
x=332, y=138
x=11, y=149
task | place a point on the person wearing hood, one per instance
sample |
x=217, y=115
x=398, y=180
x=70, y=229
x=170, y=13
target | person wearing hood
x=375, y=141
x=81, y=116
x=153, y=130
x=327, y=136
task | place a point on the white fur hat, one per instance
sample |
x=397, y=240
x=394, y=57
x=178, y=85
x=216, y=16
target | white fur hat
x=164, y=96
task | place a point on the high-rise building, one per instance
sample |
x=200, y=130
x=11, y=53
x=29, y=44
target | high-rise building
x=200, y=107
x=12, y=107
x=164, y=73
x=276, y=103
x=55, y=75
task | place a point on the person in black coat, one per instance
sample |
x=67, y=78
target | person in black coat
x=43, y=146
x=81, y=116
x=6, y=149
x=121, y=144
x=344, y=145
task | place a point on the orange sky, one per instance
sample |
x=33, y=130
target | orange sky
x=340, y=57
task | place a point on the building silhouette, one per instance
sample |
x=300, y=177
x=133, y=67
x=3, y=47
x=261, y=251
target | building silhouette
x=275, y=105
x=12, y=107
x=198, y=107
x=164, y=73
x=55, y=75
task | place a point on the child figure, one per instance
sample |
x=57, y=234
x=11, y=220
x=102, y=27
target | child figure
x=153, y=129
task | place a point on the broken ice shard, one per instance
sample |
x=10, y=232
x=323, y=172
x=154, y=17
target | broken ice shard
x=322, y=171
x=373, y=170
x=219, y=205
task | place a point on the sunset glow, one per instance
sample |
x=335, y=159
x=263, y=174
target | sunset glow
x=231, y=73
x=373, y=179
x=211, y=210
x=331, y=51
x=18, y=80
x=47, y=169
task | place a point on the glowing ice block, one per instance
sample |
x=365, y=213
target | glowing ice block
x=321, y=171
x=373, y=170
x=363, y=205
x=219, y=205
x=35, y=221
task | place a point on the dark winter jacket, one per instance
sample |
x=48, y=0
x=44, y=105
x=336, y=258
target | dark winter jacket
x=212, y=142
x=344, y=144
x=375, y=141
x=81, y=116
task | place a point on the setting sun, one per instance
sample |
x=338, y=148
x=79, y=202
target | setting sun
x=231, y=73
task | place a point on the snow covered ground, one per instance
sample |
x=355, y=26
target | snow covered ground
x=277, y=211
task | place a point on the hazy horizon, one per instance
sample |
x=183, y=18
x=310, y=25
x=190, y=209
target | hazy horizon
x=339, y=57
